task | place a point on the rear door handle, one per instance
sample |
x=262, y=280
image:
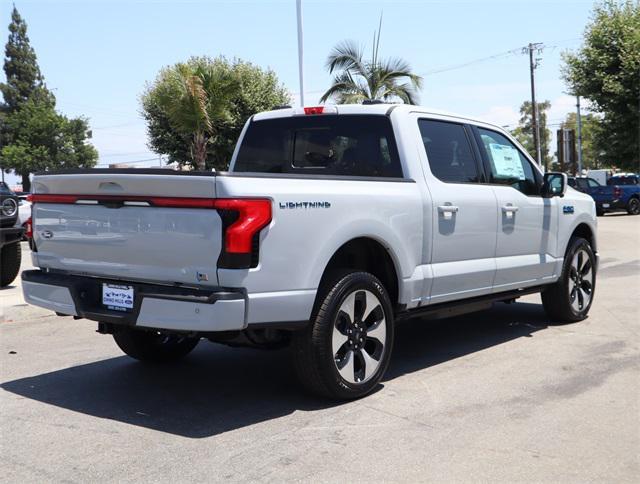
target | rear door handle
x=509, y=210
x=447, y=211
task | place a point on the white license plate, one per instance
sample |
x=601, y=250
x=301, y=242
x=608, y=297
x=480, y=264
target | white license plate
x=605, y=205
x=117, y=297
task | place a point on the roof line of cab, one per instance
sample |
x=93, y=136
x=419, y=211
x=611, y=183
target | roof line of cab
x=379, y=108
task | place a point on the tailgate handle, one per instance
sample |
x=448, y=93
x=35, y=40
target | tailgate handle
x=110, y=187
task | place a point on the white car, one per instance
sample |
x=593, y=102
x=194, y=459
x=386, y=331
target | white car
x=333, y=223
x=25, y=212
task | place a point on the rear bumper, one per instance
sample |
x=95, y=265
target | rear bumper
x=155, y=306
x=611, y=205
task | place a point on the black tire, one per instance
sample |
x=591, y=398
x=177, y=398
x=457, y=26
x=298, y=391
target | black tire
x=315, y=361
x=561, y=303
x=633, y=206
x=153, y=346
x=10, y=258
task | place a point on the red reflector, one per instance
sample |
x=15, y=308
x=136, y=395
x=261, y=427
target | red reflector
x=314, y=110
x=617, y=192
x=29, y=228
x=254, y=215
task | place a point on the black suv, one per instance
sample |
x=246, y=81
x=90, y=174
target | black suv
x=10, y=236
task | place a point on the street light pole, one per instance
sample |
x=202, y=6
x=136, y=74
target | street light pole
x=579, y=126
x=535, y=125
x=300, y=52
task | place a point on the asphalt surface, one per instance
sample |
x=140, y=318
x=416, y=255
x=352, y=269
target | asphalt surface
x=496, y=396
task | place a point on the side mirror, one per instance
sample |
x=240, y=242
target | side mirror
x=554, y=185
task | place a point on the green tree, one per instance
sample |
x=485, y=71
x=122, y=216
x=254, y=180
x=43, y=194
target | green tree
x=524, y=132
x=33, y=135
x=195, y=110
x=42, y=139
x=357, y=79
x=606, y=71
x=24, y=80
x=591, y=157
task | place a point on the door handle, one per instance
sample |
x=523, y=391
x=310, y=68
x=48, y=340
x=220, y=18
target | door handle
x=447, y=211
x=509, y=208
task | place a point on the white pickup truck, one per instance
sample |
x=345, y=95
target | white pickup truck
x=332, y=224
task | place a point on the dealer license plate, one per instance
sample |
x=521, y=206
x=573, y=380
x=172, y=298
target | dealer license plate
x=117, y=297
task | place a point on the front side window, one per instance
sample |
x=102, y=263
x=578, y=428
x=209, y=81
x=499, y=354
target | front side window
x=593, y=183
x=449, y=151
x=507, y=165
x=349, y=145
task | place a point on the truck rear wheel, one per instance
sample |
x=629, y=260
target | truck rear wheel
x=10, y=258
x=154, y=346
x=570, y=298
x=633, y=207
x=346, y=348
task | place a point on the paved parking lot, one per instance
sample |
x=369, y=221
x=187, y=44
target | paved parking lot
x=494, y=396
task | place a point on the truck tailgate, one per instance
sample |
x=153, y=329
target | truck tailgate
x=114, y=229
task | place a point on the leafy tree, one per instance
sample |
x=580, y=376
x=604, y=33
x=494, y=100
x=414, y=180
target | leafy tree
x=42, y=139
x=357, y=79
x=33, y=135
x=196, y=110
x=606, y=70
x=24, y=80
x=524, y=132
x=590, y=129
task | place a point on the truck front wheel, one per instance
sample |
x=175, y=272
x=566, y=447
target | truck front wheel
x=570, y=298
x=154, y=346
x=345, y=350
x=10, y=258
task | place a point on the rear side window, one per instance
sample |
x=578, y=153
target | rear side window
x=348, y=145
x=448, y=151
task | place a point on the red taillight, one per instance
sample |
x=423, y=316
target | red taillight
x=28, y=232
x=617, y=192
x=253, y=216
x=314, y=110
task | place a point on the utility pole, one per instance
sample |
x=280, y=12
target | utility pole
x=535, y=126
x=300, y=56
x=579, y=123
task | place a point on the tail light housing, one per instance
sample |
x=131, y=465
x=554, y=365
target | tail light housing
x=242, y=221
x=28, y=226
x=617, y=192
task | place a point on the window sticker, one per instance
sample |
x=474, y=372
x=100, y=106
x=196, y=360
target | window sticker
x=506, y=161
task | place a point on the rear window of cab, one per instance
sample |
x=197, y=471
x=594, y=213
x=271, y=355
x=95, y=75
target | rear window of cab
x=347, y=145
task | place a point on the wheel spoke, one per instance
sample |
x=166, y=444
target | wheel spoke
x=349, y=306
x=586, y=269
x=346, y=369
x=338, y=340
x=371, y=304
x=378, y=331
x=587, y=287
x=579, y=262
x=573, y=298
x=370, y=364
x=580, y=298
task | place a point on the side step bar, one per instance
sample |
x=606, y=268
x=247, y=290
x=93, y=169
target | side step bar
x=455, y=308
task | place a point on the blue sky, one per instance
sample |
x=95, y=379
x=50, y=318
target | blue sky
x=97, y=55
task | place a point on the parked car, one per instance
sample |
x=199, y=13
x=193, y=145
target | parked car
x=10, y=236
x=333, y=223
x=24, y=214
x=613, y=197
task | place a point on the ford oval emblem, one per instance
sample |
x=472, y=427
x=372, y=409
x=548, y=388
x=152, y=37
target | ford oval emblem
x=47, y=234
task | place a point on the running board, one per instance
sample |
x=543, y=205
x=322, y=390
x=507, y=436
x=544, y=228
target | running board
x=462, y=306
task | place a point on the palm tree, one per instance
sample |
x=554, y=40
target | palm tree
x=196, y=98
x=357, y=79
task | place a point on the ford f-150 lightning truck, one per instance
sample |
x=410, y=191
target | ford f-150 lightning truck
x=332, y=224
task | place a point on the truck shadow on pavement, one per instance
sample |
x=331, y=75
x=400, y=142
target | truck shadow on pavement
x=218, y=389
